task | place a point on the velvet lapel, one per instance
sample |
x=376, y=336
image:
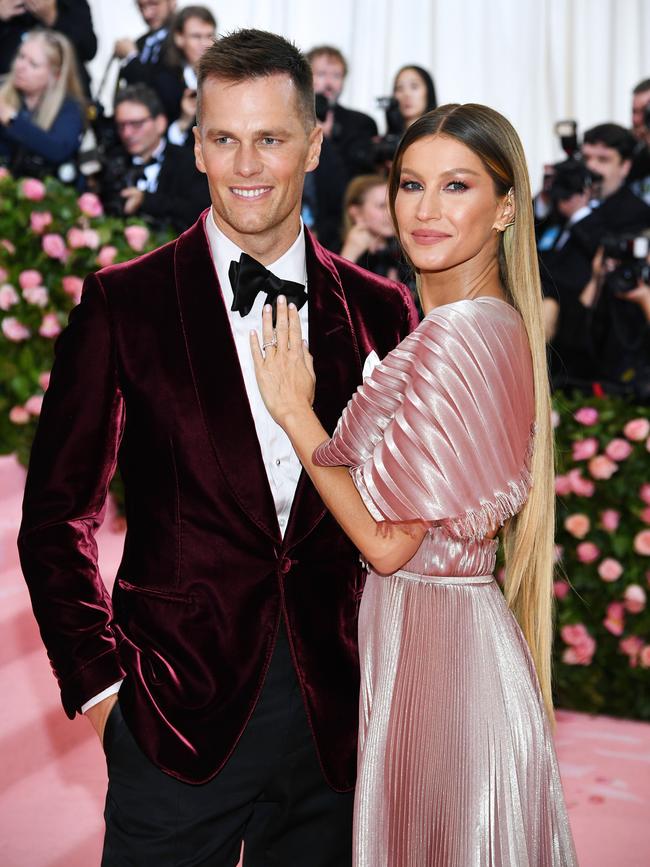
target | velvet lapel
x=337, y=364
x=218, y=380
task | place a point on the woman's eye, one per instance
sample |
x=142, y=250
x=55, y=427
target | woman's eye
x=410, y=186
x=456, y=186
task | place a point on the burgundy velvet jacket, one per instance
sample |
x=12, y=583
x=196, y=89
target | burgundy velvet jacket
x=146, y=373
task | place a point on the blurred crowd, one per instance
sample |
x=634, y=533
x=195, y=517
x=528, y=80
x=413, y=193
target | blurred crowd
x=593, y=208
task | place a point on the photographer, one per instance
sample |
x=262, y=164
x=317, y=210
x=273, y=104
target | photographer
x=639, y=177
x=147, y=175
x=41, y=107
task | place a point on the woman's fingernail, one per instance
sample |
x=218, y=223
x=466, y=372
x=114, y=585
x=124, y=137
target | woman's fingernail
x=267, y=308
x=282, y=299
x=292, y=306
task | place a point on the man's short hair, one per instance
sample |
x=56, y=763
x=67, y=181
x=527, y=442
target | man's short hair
x=642, y=87
x=612, y=135
x=143, y=95
x=328, y=51
x=250, y=54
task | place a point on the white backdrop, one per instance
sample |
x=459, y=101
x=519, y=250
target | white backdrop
x=537, y=61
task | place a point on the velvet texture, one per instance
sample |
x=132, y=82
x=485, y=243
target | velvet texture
x=147, y=373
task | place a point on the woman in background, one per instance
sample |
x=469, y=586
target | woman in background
x=368, y=234
x=448, y=440
x=41, y=107
x=415, y=92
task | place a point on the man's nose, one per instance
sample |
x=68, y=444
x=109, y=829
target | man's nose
x=247, y=161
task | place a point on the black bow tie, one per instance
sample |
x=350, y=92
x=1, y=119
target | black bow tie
x=248, y=277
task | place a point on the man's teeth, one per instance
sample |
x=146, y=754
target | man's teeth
x=250, y=194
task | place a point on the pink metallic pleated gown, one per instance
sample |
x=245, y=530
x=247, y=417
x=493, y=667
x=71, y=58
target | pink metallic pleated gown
x=456, y=762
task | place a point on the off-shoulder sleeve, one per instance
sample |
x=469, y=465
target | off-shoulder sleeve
x=441, y=430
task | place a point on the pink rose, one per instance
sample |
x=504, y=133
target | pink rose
x=8, y=296
x=37, y=295
x=54, y=247
x=106, y=256
x=637, y=429
x=19, y=415
x=578, y=525
x=631, y=647
x=560, y=589
x=610, y=569
x=4, y=173
x=582, y=450
x=635, y=598
x=90, y=205
x=50, y=326
x=92, y=238
x=601, y=467
x=610, y=520
x=587, y=552
x=76, y=238
x=555, y=419
x=72, y=286
x=644, y=656
x=39, y=221
x=562, y=486
x=14, y=330
x=644, y=493
x=136, y=237
x=618, y=450
x=30, y=279
x=614, y=622
x=581, y=487
x=33, y=404
x=44, y=380
x=641, y=540
x=586, y=415
x=8, y=246
x=33, y=189
x=574, y=633
x=645, y=513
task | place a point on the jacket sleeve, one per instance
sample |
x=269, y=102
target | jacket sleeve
x=75, y=21
x=73, y=459
x=56, y=144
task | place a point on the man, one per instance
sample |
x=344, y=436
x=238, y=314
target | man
x=142, y=58
x=347, y=146
x=149, y=176
x=231, y=635
x=639, y=177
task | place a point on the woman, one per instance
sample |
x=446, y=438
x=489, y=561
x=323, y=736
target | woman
x=42, y=107
x=456, y=761
x=415, y=92
x=368, y=234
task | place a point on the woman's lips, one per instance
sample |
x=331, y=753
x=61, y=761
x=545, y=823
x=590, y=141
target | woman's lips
x=424, y=237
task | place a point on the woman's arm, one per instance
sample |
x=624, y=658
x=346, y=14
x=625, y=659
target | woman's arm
x=59, y=143
x=285, y=375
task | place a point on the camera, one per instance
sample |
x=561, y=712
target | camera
x=567, y=132
x=631, y=254
x=568, y=178
x=384, y=149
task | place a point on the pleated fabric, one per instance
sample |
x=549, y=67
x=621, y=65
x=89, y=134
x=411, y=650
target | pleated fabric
x=456, y=764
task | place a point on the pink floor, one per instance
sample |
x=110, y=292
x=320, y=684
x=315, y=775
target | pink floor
x=52, y=771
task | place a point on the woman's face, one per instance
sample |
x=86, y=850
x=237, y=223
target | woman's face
x=373, y=213
x=411, y=94
x=446, y=205
x=32, y=71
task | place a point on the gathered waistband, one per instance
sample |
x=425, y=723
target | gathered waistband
x=444, y=579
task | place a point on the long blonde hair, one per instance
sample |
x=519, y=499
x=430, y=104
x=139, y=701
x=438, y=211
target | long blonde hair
x=65, y=81
x=528, y=537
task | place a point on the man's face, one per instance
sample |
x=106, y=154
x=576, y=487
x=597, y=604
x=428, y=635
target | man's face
x=139, y=132
x=608, y=163
x=639, y=102
x=195, y=38
x=156, y=12
x=329, y=76
x=253, y=144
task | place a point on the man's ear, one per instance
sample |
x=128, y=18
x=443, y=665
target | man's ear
x=198, y=150
x=161, y=124
x=313, y=152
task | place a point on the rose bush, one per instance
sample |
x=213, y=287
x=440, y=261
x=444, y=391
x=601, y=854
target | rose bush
x=50, y=239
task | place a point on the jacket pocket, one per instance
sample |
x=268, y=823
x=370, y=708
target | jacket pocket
x=155, y=593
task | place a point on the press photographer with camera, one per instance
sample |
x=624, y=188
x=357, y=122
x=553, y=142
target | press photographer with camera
x=42, y=107
x=146, y=175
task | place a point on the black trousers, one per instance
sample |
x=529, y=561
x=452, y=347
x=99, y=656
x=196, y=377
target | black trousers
x=271, y=794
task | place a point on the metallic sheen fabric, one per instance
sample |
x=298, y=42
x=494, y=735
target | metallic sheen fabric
x=456, y=762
